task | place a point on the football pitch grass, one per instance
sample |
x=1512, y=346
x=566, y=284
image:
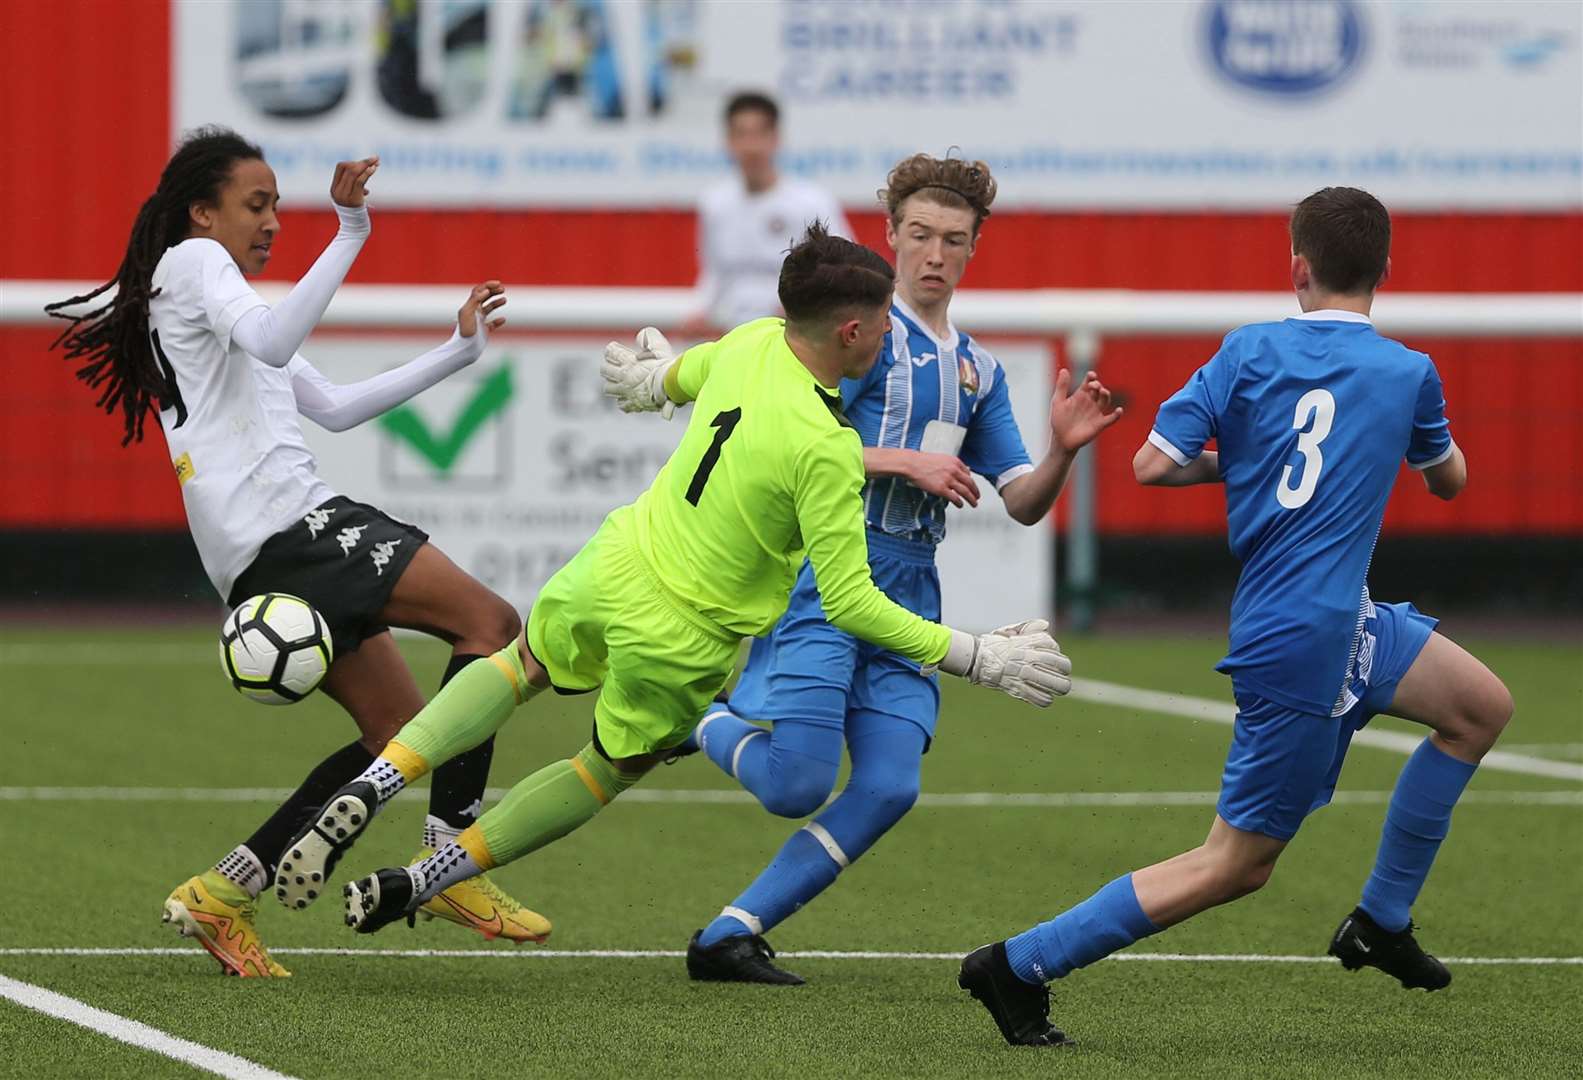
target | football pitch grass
x=129, y=765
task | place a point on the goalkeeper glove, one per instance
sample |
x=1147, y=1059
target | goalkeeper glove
x=636, y=377
x=1021, y=660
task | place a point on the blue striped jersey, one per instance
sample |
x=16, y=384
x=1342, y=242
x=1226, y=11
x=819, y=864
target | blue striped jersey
x=941, y=395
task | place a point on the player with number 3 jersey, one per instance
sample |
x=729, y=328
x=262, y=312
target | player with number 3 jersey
x=1312, y=417
x=651, y=610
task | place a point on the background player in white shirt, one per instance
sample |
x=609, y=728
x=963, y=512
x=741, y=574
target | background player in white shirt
x=747, y=224
x=186, y=336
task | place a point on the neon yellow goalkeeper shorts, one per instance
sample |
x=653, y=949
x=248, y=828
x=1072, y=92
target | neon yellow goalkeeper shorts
x=605, y=620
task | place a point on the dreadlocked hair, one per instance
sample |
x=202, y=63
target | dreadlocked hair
x=949, y=181
x=112, y=340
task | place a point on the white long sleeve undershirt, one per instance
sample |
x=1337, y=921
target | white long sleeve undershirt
x=274, y=334
x=337, y=408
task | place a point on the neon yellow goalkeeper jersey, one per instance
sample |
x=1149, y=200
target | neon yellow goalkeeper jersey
x=770, y=470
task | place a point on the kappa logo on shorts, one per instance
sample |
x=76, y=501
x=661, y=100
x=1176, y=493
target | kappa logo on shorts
x=349, y=538
x=382, y=553
x=316, y=521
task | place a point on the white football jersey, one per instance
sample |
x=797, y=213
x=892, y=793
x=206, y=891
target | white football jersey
x=232, y=428
x=743, y=237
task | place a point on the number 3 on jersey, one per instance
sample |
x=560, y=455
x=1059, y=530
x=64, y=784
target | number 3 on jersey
x=724, y=424
x=1316, y=411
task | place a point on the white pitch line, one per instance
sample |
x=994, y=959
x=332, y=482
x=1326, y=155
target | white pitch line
x=1218, y=712
x=803, y=954
x=134, y=1032
x=711, y=797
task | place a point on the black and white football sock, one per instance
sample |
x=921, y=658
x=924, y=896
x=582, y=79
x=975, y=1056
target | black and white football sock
x=241, y=867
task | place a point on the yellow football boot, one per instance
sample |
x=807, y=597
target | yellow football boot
x=479, y=904
x=219, y=914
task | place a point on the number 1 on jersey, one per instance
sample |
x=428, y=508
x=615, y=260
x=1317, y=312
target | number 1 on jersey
x=1320, y=406
x=724, y=424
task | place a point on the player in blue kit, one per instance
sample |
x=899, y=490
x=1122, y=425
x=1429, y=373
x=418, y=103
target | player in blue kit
x=934, y=410
x=1313, y=417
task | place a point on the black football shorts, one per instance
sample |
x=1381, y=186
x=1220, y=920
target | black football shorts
x=343, y=558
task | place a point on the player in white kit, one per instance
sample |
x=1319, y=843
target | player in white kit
x=185, y=335
x=747, y=223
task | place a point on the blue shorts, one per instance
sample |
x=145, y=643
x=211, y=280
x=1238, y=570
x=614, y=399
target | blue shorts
x=805, y=669
x=1283, y=764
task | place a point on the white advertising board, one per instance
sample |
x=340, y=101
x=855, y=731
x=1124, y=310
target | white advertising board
x=512, y=464
x=1153, y=103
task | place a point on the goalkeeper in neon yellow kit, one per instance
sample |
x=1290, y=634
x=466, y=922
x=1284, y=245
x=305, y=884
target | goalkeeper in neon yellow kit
x=651, y=610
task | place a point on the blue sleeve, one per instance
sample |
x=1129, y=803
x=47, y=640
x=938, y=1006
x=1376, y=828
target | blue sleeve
x=993, y=445
x=1431, y=441
x=1190, y=417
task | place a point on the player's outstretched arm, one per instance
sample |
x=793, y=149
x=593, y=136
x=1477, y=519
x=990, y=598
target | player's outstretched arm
x=1076, y=419
x=1020, y=660
x=337, y=407
x=1152, y=467
x=273, y=335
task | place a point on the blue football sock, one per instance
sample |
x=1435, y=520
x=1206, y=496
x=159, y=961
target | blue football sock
x=720, y=733
x=800, y=871
x=723, y=927
x=1417, y=821
x=1106, y=922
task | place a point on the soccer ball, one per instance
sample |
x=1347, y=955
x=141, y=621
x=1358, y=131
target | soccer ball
x=275, y=648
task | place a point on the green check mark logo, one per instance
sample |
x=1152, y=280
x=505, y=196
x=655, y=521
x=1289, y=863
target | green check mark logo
x=442, y=449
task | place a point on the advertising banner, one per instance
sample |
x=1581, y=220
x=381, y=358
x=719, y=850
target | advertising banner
x=512, y=464
x=1174, y=103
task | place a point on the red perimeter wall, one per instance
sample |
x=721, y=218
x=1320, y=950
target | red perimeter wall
x=86, y=129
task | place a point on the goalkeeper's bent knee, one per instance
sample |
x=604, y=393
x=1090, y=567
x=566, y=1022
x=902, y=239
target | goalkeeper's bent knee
x=509, y=662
